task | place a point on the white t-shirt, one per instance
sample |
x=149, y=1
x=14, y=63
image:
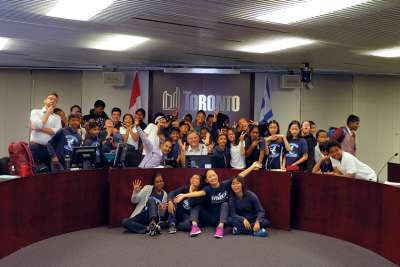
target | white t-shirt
x=122, y=131
x=317, y=153
x=351, y=165
x=237, y=161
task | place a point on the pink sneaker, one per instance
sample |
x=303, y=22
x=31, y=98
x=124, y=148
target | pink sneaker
x=219, y=232
x=195, y=231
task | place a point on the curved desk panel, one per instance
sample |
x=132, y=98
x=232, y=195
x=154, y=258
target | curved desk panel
x=362, y=212
x=36, y=208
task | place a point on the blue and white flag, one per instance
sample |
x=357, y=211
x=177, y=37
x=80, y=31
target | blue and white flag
x=266, y=108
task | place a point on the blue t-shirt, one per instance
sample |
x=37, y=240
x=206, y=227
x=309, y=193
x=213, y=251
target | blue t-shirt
x=275, y=151
x=256, y=152
x=216, y=196
x=326, y=166
x=298, y=149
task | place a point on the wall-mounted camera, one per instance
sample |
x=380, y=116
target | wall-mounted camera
x=306, y=76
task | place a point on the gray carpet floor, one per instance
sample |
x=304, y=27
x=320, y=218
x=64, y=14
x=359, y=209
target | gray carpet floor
x=100, y=247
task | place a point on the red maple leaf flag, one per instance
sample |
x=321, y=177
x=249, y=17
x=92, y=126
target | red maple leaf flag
x=135, y=102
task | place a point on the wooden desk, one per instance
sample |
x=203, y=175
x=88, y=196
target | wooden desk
x=362, y=212
x=36, y=208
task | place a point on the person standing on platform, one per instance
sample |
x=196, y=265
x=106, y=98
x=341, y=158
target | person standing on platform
x=311, y=143
x=298, y=153
x=221, y=153
x=346, y=136
x=44, y=125
x=63, y=142
x=199, y=121
x=75, y=109
x=276, y=144
x=322, y=137
x=345, y=164
x=238, y=152
x=116, y=117
x=97, y=114
x=151, y=205
x=63, y=117
x=140, y=114
x=254, y=146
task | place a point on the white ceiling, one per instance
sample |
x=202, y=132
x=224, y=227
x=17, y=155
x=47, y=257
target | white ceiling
x=200, y=32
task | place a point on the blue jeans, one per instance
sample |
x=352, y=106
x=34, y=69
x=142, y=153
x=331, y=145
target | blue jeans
x=138, y=224
x=238, y=223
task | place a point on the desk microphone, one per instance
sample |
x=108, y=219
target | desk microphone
x=395, y=155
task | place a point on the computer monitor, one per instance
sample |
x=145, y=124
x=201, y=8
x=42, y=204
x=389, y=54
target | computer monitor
x=84, y=157
x=197, y=161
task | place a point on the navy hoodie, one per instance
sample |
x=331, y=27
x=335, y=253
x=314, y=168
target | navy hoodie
x=63, y=142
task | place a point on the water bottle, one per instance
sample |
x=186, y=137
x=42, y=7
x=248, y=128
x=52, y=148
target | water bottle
x=67, y=162
x=13, y=170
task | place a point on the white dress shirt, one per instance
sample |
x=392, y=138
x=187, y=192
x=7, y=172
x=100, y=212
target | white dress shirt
x=350, y=165
x=53, y=122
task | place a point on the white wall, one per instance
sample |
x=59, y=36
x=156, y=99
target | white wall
x=15, y=96
x=93, y=89
x=67, y=84
x=285, y=102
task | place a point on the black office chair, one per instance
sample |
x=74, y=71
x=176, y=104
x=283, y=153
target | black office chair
x=4, y=166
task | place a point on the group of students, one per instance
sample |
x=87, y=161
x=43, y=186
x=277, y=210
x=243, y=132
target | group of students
x=167, y=140
x=205, y=201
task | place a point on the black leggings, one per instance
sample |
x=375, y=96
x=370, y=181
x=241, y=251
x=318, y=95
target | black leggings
x=208, y=219
x=138, y=224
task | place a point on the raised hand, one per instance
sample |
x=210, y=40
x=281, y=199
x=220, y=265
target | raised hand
x=137, y=185
x=50, y=109
x=255, y=142
x=242, y=136
x=182, y=146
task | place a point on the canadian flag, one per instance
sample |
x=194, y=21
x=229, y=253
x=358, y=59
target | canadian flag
x=135, y=102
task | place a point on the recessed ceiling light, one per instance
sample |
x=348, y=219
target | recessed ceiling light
x=276, y=45
x=308, y=9
x=3, y=42
x=119, y=42
x=78, y=9
x=387, y=52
